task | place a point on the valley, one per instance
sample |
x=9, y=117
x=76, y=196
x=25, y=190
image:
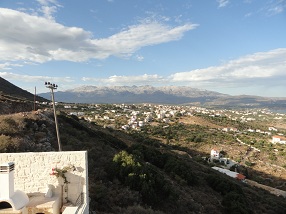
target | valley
x=158, y=158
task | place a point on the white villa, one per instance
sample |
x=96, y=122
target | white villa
x=44, y=182
x=215, y=154
x=278, y=139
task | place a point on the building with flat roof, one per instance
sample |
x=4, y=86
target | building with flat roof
x=44, y=182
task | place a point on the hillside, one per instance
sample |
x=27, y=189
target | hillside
x=133, y=173
x=14, y=99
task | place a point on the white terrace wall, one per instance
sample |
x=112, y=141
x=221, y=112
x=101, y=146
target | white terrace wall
x=32, y=172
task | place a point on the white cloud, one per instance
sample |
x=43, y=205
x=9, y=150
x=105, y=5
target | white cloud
x=272, y=7
x=29, y=78
x=48, y=11
x=276, y=7
x=127, y=80
x=37, y=39
x=48, y=8
x=222, y=3
x=47, y=2
x=135, y=37
x=264, y=70
x=261, y=66
x=139, y=58
x=7, y=66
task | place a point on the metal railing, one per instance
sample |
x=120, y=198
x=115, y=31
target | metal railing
x=80, y=199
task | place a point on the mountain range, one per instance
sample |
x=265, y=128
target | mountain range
x=162, y=95
x=11, y=97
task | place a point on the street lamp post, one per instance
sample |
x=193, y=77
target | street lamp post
x=52, y=87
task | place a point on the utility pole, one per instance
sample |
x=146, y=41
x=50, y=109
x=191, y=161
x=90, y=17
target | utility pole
x=52, y=87
x=35, y=99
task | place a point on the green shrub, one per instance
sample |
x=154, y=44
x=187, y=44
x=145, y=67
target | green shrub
x=154, y=188
x=223, y=185
x=7, y=144
x=235, y=203
x=247, y=163
x=8, y=126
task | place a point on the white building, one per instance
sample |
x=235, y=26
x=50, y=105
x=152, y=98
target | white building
x=272, y=129
x=278, y=139
x=232, y=174
x=33, y=175
x=140, y=123
x=215, y=153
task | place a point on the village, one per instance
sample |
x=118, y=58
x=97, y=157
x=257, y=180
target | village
x=135, y=118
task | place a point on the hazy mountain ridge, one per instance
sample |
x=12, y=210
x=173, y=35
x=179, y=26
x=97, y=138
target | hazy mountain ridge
x=136, y=94
x=162, y=95
x=176, y=95
x=147, y=89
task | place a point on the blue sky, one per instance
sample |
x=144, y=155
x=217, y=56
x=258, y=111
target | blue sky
x=229, y=46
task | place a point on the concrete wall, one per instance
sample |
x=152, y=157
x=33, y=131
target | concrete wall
x=32, y=172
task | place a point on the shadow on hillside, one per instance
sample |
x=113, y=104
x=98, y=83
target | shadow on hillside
x=121, y=140
x=202, y=157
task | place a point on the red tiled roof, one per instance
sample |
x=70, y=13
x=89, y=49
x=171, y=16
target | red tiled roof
x=280, y=137
x=240, y=176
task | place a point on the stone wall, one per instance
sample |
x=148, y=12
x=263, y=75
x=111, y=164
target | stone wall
x=32, y=172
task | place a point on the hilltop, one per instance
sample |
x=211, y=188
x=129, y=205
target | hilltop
x=14, y=99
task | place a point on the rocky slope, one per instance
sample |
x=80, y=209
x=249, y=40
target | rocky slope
x=14, y=99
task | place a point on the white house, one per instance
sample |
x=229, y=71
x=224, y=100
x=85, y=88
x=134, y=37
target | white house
x=226, y=129
x=278, y=139
x=125, y=127
x=232, y=174
x=272, y=129
x=32, y=183
x=215, y=153
x=141, y=123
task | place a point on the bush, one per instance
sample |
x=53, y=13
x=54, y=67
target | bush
x=234, y=199
x=235, y=203
x=8, y=126
x=7, y=144
x=178, y=167
x=172, y=165
x=223, y=185
x=249, y=164
x=154, y=188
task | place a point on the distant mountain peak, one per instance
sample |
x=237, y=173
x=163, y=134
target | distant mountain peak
x=138, y=89
x=136, y=94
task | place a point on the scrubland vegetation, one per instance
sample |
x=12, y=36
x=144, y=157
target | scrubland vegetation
x=159, y=168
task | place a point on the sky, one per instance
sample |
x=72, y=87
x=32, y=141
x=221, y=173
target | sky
x=234, y=47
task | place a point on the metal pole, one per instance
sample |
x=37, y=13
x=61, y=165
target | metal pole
x=56, y=121
x=35, y=99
